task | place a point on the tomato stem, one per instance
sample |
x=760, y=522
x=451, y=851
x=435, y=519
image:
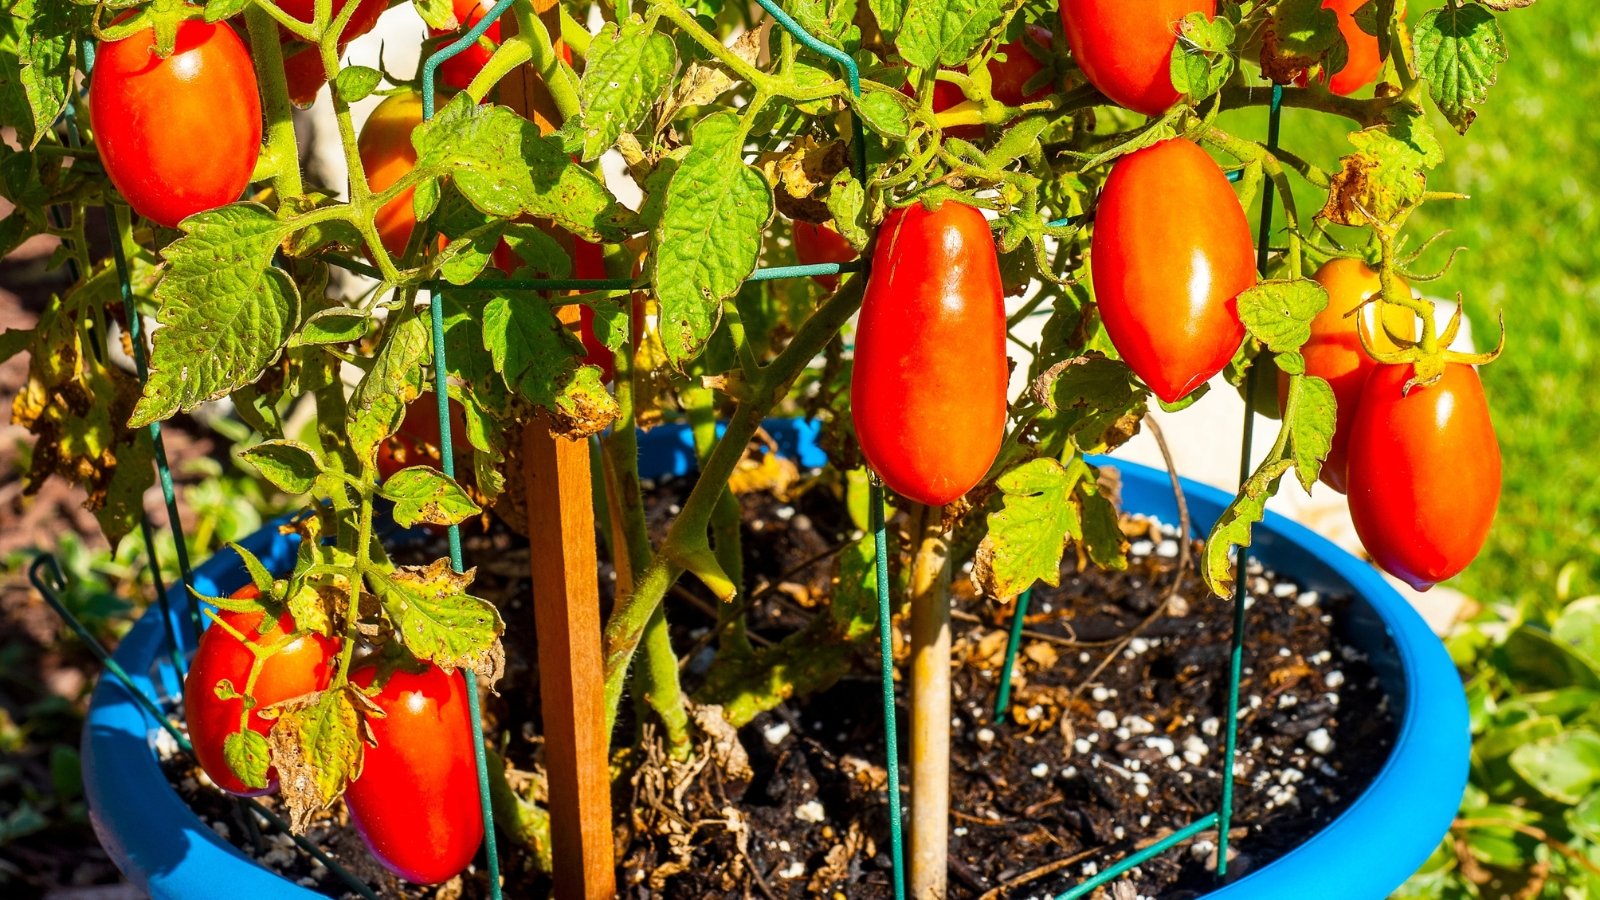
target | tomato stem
x=282, y=152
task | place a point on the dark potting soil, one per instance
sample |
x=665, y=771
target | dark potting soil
x=1113, y=738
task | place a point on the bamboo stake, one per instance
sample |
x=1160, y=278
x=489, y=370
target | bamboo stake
x=930, y=706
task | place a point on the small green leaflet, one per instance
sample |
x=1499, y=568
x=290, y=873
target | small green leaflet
x=1202, y=59
x=43, y=34
x=316, y=748
x=710, y=235
x=1233, y=528
x=847, y=202
x=1279, y=313
x=1459, y=51
x=889, y=13
x=1028, y=533
x=945, y=32
x=1311, y=423
x=248, y=756
x=217, y=10
x=225, y=310
x=504, y=167
x=1102, y=528
x=438, y=620
x=335, y=325
x=355, y=83
x=884, y=112
x=439, y=14
x=539, y=358
x=424, y=494
x=290, y=466
x=628, y=68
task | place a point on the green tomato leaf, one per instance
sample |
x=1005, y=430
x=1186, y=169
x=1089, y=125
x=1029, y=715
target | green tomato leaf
x=709, y=237
x=290, y=466
x=43, y=35
x=539, y=358
x=1202, y=60
x=259, y=575
x=424, y=494
x=937, y=33
x=847, y=201
x=1311, y=425
x=504, y=167
x=1565, y=769
x=887, y=113
x=1028, y=534
x=378, y=403
x=335, y=325
x=439, y=621
x=316, y=748
x=1102, y=526
x=356, y=83
x=225, y=310
x=217, y=10
x=439, y=14
x=889, y=13
x=1459, y=50
x=248, y=756
x=1233, y=528
x=1279, y=313
x=1092, y=401
x=629, y=66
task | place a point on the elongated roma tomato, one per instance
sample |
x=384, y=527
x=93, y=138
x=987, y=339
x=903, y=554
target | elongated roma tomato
x=415, y=803
x=388, y=155
x=1125, y=47
x=1335, y=354
x=299, y=668
x=1424, y=472
x=820, y=244
x=178, y=135
x=1171, y=252
x=928, y=394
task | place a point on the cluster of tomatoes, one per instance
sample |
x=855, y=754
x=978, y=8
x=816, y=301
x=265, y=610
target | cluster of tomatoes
x=1170, y=254
x=415, y=799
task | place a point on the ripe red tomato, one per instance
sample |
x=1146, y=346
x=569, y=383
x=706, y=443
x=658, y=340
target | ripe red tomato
x=1171, y=252
x=928, y=393
x=1363, y=63
x=387, y=155
x=302, y=667
x=820, y=244
x=1125, y=49
x=415, y=803
x=1424, y=472
x=178, y=135
x=302, y=64
x=417, y=441
x=1335, y=354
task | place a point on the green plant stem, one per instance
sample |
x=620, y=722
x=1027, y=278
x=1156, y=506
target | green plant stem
x=282, y=146
x=700, y=406
x=558, y=80
x=1364, y=112
x=686, y=543
x=1249, y=151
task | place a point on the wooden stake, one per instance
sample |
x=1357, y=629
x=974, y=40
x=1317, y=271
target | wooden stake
x=566, y=604
x=930, y=707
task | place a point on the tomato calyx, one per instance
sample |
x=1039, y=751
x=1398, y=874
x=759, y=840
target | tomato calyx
x=162, y=17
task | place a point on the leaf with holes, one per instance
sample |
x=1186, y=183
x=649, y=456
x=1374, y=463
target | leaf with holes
x=1459, y=51
x=248, y=756
x=438, y=620
x=710, y=235
x=424, y=494
x=316, y=748
x=629, y=66
x=539, y=358
x=1028, y=533
x=225, y=310
x=1279, y=313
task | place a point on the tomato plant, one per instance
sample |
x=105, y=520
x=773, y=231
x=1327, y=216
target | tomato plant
x=302, y=63
x=388, y=155
x=178, y=135
x=415, y=803
x=820, y=244
x=928, y=396
x=1424, y=475
x=238, y=658
x=1171, y=253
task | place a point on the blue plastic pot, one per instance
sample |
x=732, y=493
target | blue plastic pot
x=1382, y=838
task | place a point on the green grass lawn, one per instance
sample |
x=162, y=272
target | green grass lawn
x=1531, y=231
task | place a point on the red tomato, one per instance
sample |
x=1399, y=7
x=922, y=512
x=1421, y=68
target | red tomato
x=1363, y=63
x=1125, y=49
x=417, y=441
x=820, y=244
x=387, y=155
x=302, y=667
x=415, y=803
x=928, y=393
x=302, y=65
x=1335, y=354
x=1424, y=473
x=1171, y=252
x=178, y=135
x=1008, y=78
